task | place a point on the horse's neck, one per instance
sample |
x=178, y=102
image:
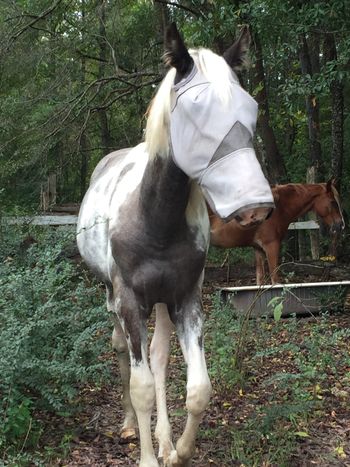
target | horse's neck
x=301, y=202
x=164, y=196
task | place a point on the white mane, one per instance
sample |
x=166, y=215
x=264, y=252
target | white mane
x=215, y=70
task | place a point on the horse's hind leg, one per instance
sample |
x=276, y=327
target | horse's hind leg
x=119, y=344
x=259, y=266
x=272, y=251
x=159, y=352
x=189, y=325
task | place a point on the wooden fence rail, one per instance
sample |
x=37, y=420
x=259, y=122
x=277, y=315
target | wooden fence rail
x=72, y=220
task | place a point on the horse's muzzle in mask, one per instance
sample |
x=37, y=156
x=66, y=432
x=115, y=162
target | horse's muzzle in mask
x=235, y=187
x=250, y=218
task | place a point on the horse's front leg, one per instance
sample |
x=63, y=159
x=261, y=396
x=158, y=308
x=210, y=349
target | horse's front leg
x=159, y=353
x=142, y=392
x=189, y=325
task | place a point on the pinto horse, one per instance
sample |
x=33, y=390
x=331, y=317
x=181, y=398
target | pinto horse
x=292, y=201
x=143, y=229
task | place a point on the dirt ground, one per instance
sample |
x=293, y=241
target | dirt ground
x=95, y=440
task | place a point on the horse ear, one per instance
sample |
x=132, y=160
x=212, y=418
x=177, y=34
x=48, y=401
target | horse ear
x=275, y=194
x=236, y=55
x=331, y=182
x=176, y=53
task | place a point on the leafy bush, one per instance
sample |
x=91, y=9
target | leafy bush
x=53, y=332
x=224, y=329
x=233, y=256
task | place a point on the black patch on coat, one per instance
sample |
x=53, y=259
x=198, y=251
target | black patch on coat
x=154, y=248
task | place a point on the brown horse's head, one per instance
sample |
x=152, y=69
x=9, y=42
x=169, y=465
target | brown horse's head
x=327, y=207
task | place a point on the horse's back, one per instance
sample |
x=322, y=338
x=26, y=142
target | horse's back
x=230, y=234
x=116, y=176
x=108, y=162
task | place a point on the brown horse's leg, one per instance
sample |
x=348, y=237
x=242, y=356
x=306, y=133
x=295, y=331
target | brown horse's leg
x=259, y=266
x=272, y=251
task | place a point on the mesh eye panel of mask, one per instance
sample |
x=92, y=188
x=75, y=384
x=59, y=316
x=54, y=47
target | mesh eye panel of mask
x=237, y=138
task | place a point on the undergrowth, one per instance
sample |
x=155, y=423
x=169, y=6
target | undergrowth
x=53, y=332
x=280, y=384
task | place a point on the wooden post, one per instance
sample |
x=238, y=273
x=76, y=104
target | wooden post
x=52, y=187
x=302, y=246
x=48, y=193
x=314, y=234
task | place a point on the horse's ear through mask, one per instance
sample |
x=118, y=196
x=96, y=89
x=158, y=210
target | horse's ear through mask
x=176, y=53
x=236, y=56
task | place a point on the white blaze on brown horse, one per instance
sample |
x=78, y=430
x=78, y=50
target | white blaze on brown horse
x=292, y=201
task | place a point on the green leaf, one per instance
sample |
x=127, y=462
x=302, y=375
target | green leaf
x=277, y=312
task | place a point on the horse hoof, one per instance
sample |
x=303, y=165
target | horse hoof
x=152, y=462
x=165, y=449
x=175, y=461
x=127, y=435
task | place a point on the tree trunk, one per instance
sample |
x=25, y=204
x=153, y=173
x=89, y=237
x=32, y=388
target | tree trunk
x=275, y=164
x=107, y=142
x=313, y=234
x=337, y=104
x=312, y=111
x=83, y=142
x=162, y=16
x=84, y=164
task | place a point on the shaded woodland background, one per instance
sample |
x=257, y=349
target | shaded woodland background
x=77, y=77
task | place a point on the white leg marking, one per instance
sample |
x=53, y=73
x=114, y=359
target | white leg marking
x=120, y=345
x=159, y=351
x=142, y=396
x=198, y=388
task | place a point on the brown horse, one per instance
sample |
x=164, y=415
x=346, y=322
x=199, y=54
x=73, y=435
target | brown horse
x=292, y=201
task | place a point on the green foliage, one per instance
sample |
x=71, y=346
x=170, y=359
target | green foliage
x=91, y=68
x=85, y=68
x=53, y=333
x=276, y=303
x=291, y=398
x=232, y=256
x=223, y=327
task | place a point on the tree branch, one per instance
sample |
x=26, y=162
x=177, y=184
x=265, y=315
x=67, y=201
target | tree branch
x=178, y=5
x=36, y=19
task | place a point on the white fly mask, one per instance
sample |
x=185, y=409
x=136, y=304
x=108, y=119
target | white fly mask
x=212, y=143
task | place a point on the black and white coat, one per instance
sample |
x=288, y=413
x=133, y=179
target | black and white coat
x=143, y=229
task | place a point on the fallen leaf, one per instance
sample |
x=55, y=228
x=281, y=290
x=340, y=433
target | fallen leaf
x=340, y=452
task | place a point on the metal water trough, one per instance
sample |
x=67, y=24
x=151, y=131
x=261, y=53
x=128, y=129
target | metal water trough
x=299, y=299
